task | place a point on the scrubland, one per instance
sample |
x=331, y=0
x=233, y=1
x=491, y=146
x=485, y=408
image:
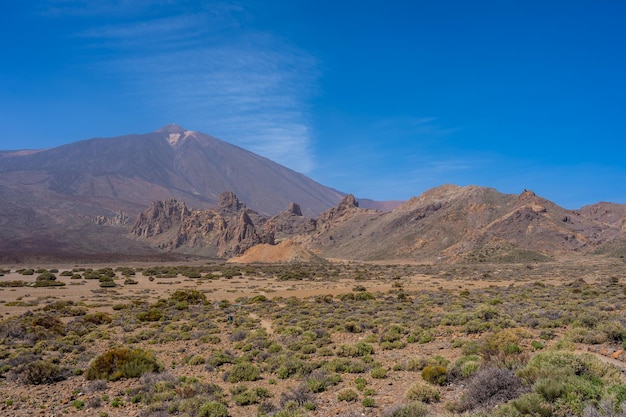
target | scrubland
x=331, y=339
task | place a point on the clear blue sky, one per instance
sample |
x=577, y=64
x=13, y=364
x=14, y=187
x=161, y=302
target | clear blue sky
x=382, y=99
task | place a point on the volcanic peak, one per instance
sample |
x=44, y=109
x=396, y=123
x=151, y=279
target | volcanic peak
x=175, y=134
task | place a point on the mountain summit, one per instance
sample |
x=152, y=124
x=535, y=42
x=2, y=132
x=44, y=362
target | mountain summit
x=58, y=192
x=130, y=172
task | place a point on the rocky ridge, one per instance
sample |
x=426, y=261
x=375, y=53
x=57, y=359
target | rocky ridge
x=225, y=231
x=468, y=224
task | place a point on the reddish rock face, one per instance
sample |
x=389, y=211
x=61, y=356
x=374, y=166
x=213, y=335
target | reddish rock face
x=223, y=232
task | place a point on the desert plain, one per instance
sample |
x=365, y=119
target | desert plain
x=336, y=338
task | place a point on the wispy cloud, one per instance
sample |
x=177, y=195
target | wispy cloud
x=204, y=70
x=82, y=8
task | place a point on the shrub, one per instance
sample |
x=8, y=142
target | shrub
x=188, y=296
x=416, y=364
x=153, y=314
x=414, y=409
x=490, y=387
x=421, y=391
x=242, y=396
x=220, y=358
x=213, y=409
x=435, y=374
x=317, y=381
x=41, y=372
x=97, y=318
x=244, y=372
x=378, y=373
x=299, y=395
x=348, y=395
x=368, y=402
x=122, y=362
x=46, y=276
x=360, y=349
x=196, y=360
x=464, y=367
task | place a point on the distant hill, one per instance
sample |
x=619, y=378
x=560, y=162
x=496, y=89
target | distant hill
x=472, y=224
x=447, y=223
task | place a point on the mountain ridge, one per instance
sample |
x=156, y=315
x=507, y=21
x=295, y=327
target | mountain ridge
x=87, y=199
x=449, y=223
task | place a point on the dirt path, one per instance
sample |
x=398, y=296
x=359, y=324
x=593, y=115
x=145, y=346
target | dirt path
x=266, y=324
x=606, y=359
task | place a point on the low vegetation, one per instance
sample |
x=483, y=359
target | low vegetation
x=469, y=340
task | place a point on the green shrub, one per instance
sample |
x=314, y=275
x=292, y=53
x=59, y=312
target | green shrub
x=122, y=362
x=97, y=318
x=48, y=280
x=416, y=364
x=245, y=396
x=348, y=395
x=244, y=372
x=368, y=402
x=318, y=381
x=378, y=373
x=213, y=409
x=360, y=349
x=421, y=391
x=565, y=383
x=220, y=358
x=414, y=409
x=196, y=360
x=435, y=374
x=188, y=296
x=153, y=314
x=464, y=367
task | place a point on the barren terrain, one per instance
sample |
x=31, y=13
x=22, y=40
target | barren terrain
x=327, y=339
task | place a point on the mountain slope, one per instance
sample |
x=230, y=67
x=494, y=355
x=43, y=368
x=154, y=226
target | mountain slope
x=129, y=172
x=452, y=222
x=46, y=195
x=468, y=224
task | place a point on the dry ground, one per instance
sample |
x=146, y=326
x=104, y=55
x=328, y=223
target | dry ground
x=385, y=281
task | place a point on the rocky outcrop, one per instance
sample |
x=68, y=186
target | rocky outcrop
x=229, y=203
x=226, y=231
x=120, y=219
x=240, y=235
x=344, y=210
x=160, y=217
x=289, y=223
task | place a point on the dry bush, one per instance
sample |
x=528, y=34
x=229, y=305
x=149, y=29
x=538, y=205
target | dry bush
x=299, y=395
x=41, y=372
x=491, y=386
x=423, y=392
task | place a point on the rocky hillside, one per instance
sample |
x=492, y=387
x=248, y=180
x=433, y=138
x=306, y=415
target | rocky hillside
x=54, y=201
x=469, y=224
x=225, y=231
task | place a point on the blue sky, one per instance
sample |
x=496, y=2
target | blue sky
x=382, y=99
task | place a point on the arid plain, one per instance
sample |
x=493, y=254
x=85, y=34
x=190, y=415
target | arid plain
x=319, y=339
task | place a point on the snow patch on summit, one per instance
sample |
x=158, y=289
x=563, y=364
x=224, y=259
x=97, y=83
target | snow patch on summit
x=174, y=138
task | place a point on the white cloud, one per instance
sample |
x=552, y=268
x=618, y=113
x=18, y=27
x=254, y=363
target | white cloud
x=83, y=8
x=245, y=86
